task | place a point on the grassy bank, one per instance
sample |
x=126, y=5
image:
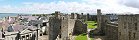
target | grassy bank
x=81, y=37
x=91, y=24
x=91, y=38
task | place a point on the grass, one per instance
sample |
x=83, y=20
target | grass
x=91, y=38
x=81, y=37
x=91, y=24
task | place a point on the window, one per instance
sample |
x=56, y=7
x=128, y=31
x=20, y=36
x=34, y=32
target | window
x=60, y=27
x=63, y=18
x=124, y=25
x=60, y=36
x=134, y=35
x=120, y=33
x=129, y=35
x=44, y=24
x=135, y=26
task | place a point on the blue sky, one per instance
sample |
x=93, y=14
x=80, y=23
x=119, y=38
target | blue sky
x=68, y=6
x=20, y=2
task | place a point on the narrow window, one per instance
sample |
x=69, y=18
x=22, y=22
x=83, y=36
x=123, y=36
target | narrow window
x=120, y=33
x=124, y=25
x=129, y=35
x=136, y=26
x=134, y=35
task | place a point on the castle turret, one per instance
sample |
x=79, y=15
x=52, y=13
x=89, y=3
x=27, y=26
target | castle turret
x=72, y=15
x=57, y=13
x=99, y=19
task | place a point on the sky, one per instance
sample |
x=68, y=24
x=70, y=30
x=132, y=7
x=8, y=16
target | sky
x=69, y=6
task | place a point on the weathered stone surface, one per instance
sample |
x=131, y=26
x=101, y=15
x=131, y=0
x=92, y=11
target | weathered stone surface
x=99, y=20
x=128, y=27
x=54, y=29
x=79, y=27
x=64, y=28
x=72, y=15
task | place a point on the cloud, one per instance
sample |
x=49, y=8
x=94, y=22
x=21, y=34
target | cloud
x=87, y=6
x=116, y=6
x=66, y=7
x=131, y=3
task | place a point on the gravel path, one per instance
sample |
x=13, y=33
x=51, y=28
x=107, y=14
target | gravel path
x=88, y=30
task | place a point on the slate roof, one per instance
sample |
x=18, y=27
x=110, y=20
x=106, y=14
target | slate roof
x=19, y=27
x=29, y=29
x=10, y=29
x=34, y=22
x=4, y=25
x=30, y=17
x=32, y=27
x=11, y=20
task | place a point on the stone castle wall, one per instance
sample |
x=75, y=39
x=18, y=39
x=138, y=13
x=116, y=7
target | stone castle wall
x=111, y=31
x=105, y=27
x=64, y=28
x=128, y=27
x=79, y=27
x=54, y=29
x=108, y=29
x=71, y=23
x=99, y=20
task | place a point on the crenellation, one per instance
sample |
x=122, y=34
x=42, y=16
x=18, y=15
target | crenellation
x=72, y=15
x=87, y=17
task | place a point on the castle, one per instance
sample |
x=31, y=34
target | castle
x=124, y=28
x=63, y=27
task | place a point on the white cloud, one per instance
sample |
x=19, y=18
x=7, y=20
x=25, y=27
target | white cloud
x=87, y=6
x=131, y=3
x=115, y=6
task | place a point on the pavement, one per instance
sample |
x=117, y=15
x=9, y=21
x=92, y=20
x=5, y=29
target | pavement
x=95, y=37
x=88, y=30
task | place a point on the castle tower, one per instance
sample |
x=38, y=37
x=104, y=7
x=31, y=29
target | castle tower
x=64, y=28
x=54, y=28
x=87, y=17
x=81, y=15
x=99, y=19
x=72, y=15
x=78, y=16
x=57, y=13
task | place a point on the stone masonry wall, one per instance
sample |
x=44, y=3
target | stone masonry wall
x=64, y=28
x=54, y=29
x=99, y=19
x=111, y=32
x=128, y=27
x=79, y=27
